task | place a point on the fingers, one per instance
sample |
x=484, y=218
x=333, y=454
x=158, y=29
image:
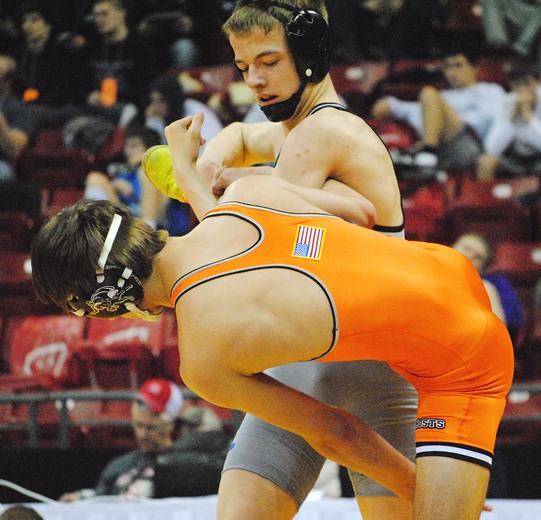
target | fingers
x=190, y=125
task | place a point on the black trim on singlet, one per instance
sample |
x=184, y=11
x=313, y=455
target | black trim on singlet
x=255, y=245
x=338, y=106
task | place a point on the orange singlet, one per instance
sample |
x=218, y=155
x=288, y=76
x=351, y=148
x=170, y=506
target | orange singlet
x=421, y=307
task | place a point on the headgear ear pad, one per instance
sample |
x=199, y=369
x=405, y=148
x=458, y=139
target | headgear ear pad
x=115, y=288
x=308, y=37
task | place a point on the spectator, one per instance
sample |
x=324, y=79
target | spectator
x=9, y=34
x=124, y=180
x=186, y=26
x=199, y=453
x=513, y=143
x=384, y=29
x=452, y=123
x=513, y=26
x=155, y=412
x=17, y=123
x=505, y=301
x=118, y=63
x=20, y=512
x=167, y=103
x=46, y=67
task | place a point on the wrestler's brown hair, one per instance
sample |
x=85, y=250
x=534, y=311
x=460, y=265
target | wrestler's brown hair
x=65, y=252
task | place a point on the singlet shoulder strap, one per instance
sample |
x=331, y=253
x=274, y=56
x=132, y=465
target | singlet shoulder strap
x=321, y=106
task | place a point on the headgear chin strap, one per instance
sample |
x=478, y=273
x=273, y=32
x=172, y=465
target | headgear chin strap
x=284, y=109
x=117, y=290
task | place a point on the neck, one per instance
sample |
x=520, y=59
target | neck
x=164, y=275
x=36, y=45
x=314, y=94
x=117, y=35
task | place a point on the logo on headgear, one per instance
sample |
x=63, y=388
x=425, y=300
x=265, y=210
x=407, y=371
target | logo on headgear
x=109, y=299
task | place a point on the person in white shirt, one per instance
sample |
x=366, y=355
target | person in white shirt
x=513, y=143
x=452, y=123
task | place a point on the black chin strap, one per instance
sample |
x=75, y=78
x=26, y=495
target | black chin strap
x=284, y=109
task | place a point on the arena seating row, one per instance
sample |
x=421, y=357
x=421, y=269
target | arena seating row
x=48, y=354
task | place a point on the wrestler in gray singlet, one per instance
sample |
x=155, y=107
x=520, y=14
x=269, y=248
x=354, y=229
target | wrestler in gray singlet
x=369, y=390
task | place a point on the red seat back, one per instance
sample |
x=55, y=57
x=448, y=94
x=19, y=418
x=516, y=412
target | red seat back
x=44, y=348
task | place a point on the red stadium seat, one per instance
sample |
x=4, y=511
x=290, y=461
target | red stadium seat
x=16, y=231
x=519, y=261
x=123, y=353
x=43, y=349
x=41, y=357
x=521, y=423
x=54, y=168
x=424, y=211
x=17, y=296
x=490, y=209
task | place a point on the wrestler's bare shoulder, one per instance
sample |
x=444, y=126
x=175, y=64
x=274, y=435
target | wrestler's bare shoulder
x=339, y=125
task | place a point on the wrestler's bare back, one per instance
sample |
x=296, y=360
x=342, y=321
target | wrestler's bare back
x=253, y=320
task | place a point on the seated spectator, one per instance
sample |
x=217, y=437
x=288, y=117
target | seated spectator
x=118, y=64
x=155, y=412
x=124, y=180
x=513, y=143
x=186, y=27
x=46, y=67
x=195, y=466
x=167, y=103
x=17, y=123
x=9, y=34
x=384, y=29
x=505, y=301
x=512, y=26
x=451, y=123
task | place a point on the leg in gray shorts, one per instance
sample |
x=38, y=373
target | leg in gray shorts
x=461, y=152
x=367, y=389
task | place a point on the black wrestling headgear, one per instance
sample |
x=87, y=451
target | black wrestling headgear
x=308, y=38
x=117, y=290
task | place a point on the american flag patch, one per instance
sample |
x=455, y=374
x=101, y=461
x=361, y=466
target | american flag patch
x=309, y=242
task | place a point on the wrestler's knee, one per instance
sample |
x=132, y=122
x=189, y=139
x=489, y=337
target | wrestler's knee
x=244, y=495
x=429, y=94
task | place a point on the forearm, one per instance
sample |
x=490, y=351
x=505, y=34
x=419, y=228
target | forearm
x=331, y=431
x=225, y=150
x=360, y=448
x=184, y=138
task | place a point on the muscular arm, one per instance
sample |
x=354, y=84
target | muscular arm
x=237, y=146
x=337, y=199
x=184, y=139
x=331, y=431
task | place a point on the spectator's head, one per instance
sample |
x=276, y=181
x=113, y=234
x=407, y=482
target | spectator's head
x=476, y=248
x=20, y=512
x=110, y=19
x=36, y=24
x=155, y=412
x=166, y=98
x=8, y=70
x=460, y=69
x=137, y=141
x=280, y=48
